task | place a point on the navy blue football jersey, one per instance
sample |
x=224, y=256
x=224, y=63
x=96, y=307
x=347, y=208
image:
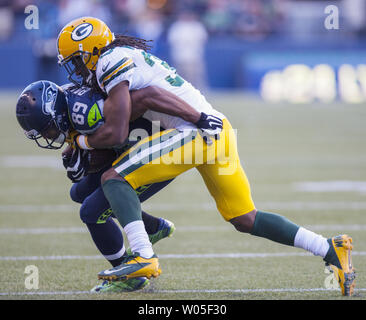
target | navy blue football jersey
x=85, y=109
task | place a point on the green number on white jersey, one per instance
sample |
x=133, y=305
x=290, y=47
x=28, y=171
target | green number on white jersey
x=150, y=59
x=177, y=81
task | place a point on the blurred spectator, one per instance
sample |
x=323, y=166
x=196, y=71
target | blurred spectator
x=251, y=18
x=355, y=15
x=123, y=11
x=149, y=25
x=70, y=10
x=6, y=20
x=217, y=18
x=187, y=38
x=197, y=6
x=44, y=41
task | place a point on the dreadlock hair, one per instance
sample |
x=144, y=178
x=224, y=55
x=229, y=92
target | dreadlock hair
x=95, y=88
x=122, y=40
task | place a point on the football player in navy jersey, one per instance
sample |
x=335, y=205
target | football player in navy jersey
x=36, y=112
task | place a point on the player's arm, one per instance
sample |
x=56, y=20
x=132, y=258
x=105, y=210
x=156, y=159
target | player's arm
x=114, y=73
x=138, y=108
x=117, y=113
x=161, y=100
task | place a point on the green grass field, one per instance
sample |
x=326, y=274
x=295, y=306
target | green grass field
x=281, y=147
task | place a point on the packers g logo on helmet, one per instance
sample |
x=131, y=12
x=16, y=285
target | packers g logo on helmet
x=79, y=44
x=82, y=31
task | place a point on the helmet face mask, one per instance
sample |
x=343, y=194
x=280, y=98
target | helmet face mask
x=44, y=139
x=76, y=67
x=50, y=138
x=41, y=111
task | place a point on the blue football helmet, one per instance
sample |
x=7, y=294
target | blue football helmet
x=41, y=111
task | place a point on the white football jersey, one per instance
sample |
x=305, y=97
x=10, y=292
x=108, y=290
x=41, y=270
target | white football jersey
x=142, y=69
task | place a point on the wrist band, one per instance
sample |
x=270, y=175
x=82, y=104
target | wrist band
x=82, y=142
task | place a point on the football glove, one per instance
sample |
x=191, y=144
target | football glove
x=76, y=164
x=77, y=140
x=209, y=126
x=71, y=137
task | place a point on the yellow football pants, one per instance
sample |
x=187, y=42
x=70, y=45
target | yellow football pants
x=167, y=154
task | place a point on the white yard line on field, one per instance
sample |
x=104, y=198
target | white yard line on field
x=335, y=227
x=222, y=228
x=175, y=256
x=35, y=208
x=37, y=231
x=331, y=186
x=264, y=205
x=313, y=227
x=263, y=290
x=206, y=206
x=26, y=161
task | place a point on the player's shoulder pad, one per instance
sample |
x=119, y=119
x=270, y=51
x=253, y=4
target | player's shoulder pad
x=112, y=64
x=67, y=86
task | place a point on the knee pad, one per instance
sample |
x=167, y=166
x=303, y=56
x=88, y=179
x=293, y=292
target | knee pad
x=89, y=215
x=95, y=208
x=74, y=194
x=85, y=187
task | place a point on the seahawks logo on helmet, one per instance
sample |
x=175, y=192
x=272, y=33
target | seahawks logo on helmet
x=49, y=96
x=81, y=31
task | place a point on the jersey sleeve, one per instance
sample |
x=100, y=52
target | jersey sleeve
x=114, y=66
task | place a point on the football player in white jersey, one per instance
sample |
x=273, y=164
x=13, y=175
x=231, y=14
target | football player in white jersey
x=196, y=136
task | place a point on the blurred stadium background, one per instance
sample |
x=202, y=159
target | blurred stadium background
x=294, y=90
x=278, y=48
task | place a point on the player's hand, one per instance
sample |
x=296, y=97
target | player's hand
x=210, y=126
x=78, y=140
x=76, y=163
x=66, y=155
x=71, y=137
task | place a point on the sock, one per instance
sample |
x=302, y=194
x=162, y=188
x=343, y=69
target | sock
x=310, y=241
x=123, y=200
x=127, y=208
x=151, y=223
x=138, y=239
x=109, y=240
x=274, y=227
